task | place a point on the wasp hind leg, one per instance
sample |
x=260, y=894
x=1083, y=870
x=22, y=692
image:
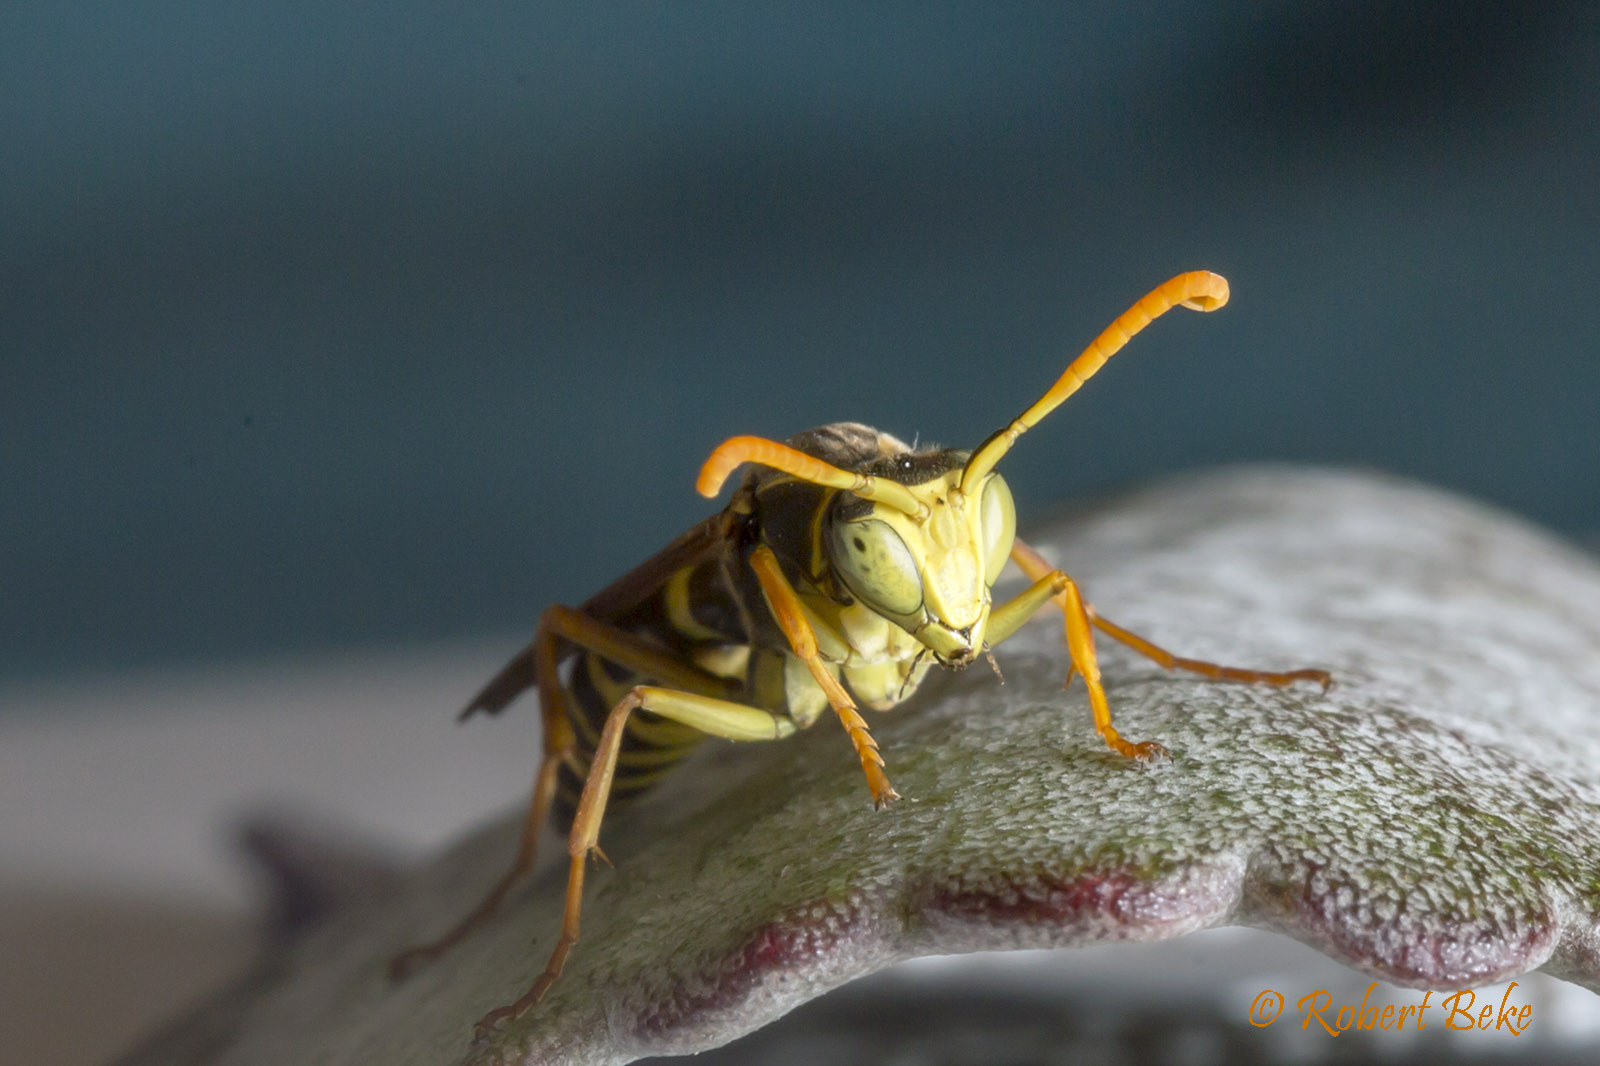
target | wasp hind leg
x=721, y=718
x=414, y=958
x=538, y=664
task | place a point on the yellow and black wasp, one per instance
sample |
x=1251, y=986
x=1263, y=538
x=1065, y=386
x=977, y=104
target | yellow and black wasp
x=846, y=564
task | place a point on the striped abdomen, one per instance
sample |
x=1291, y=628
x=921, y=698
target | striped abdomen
x=695, y=615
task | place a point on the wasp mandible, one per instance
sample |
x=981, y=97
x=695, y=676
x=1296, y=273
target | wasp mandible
x=846, y=564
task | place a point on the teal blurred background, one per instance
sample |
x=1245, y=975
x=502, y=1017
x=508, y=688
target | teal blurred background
x=324, y=329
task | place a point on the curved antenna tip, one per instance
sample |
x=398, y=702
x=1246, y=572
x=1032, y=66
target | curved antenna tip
x=1204, y=291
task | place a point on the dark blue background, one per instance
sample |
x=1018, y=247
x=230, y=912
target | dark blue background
x=324, y=326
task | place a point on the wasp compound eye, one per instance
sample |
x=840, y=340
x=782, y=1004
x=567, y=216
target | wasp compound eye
x=877, y=565
x=999, y=517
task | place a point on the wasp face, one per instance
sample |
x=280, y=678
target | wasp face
x=929, y=574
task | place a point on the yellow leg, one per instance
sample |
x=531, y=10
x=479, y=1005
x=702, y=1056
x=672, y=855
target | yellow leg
x=721, y=718
x=558, y=624
x=790, y=615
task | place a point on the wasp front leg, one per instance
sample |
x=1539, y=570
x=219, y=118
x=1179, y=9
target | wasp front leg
x=1057, y=585
x=786, y=608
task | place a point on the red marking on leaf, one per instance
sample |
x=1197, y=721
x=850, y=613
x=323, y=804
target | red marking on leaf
x=1043, y=901
x=1337, y=914
x=1112, y=904
x=805, y=936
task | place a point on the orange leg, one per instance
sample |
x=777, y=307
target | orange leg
x=786, y=609
x=1054, y=585
x=1035, y=565
x=1080, y=642
x=733, y=721
x=1206, y=669
x=556, y=625
x=544, y=789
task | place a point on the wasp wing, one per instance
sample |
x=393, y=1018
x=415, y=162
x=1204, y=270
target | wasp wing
x=701, y=542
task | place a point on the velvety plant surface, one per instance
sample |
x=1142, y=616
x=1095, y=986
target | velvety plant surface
x=1434, y=820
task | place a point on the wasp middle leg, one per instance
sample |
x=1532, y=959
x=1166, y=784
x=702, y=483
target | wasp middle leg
x=1080, y=615
x=1215, y=671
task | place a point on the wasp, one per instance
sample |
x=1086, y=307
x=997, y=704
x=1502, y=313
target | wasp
x=846, y=564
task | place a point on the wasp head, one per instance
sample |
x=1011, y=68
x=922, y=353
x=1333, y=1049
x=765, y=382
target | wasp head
x=927, y=568
x=921, y=536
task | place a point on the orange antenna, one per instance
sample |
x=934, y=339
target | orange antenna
x=735, y=451
x=1198, y=290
